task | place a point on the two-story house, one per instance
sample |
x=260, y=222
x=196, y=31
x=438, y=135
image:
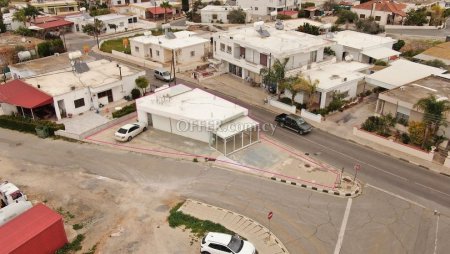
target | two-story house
x=245, y=51
x=265, y=7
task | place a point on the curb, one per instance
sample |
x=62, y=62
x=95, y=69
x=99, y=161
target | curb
x=352, y=194
x=266, y=231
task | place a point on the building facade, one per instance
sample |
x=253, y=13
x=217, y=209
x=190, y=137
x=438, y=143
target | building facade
x=219, y=14
x=265, y=7
x=385, y=12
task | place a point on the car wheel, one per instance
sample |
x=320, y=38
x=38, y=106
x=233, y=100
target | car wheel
x=300, y=132
x=130, y=138
x=145, y=128
x=205, y=252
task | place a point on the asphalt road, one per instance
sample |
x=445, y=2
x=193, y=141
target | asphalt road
x=436, y=33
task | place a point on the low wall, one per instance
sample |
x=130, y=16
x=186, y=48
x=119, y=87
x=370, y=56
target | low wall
x=412, y=27
x=283, y=106
x=137, y=60
x=392, y=144
x=310, y=116
x=63, y=133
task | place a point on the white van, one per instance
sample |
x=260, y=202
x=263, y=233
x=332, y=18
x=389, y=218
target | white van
x=163, y=75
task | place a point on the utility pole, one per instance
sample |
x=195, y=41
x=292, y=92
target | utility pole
x=96, y=32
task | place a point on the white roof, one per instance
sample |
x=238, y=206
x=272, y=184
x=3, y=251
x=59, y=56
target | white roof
x=100, y=73
x=280, y=42
x=332, y=76
x=218, y=238
x=220, y=8
x=380, y=53
x=293, y=24
x=358, y=40
x=193, y=106
x=8, y=188
x=234, y=127
x=109, y=17
x=183, y=39
x=401, y=72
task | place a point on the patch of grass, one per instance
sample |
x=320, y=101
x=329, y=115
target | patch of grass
x=195, y=160
x=197, y=226
x=65, y=214
x=114, y=44
x=74, y=246
x=77, y=226
x=125, y=111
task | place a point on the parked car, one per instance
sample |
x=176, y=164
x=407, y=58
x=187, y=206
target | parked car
x=129, y=131
x=293, y=122
x=9, y=193
x=219, y=243
x=163, y=75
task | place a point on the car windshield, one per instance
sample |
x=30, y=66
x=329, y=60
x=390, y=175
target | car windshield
x=166, y=73
x=298, y=120
x=235, y=244
x=122, y=131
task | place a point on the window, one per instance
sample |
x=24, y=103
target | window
x=263, y=59
x=256, y=8
x=136, y=49
x=135, y=1
x=119, y=2
x=79, y=103
x=313, y=57
x=157, y=52
x=130, y=21
x=121, y=24
x=133, y=128
x=222, y=47
x=214, y=16
x=377, y=18
x=215, y=46
x=345, y=94
x=362, y=16
x=229, y=49
x=219, y=247
x=192, y=53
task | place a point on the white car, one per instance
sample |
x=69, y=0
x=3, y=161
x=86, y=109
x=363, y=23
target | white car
x=218, y=243
x=129, y=131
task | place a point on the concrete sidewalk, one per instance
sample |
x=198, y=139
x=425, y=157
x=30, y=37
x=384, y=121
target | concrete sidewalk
x=253, y=231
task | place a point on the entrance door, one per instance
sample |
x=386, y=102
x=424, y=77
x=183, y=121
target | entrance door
x=107, y=93
x=62, y=108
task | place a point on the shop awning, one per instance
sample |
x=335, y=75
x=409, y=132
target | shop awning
x=380, y=53
x=54, y=24
x=19, y=93
x=158, y=10
x=236, y=126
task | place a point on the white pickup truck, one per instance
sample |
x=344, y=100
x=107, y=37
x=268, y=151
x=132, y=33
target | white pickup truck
x=9, y=193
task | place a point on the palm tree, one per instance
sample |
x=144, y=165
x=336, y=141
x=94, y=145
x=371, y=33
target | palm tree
x=293, y=84
x=299, y=84
x=434, y=111
x=166, y=5
x=274, y=74
x=31, y=12
x=19, y=16
x=311, y=88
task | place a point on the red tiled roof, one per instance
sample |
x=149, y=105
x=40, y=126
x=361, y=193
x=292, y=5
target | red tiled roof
x=19, y=93
x=158, y=10
x=383, y=5
x=288, y=13
x=54, y=24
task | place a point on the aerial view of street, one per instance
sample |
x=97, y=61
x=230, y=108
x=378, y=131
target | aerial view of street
x=213, y=127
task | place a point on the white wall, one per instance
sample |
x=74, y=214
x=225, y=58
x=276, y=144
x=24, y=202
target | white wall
x=184, y=56
x=222, y=15
x=261, y=7
x=7, y=109
x=383, y=15
x=175, y=127
x=69, y=99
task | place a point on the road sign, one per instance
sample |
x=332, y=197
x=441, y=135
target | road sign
x=270, y=215
x=357, y=167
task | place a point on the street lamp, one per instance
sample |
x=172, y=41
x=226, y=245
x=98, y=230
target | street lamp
x=96, y=32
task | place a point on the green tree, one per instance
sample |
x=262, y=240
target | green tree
x=165, y=5
x=4, y=3
x=31, y=12
x=436, y=63
x=19, y=16
x=369, y=26
x=113, y=26
x=398, y=45
x=416, y=17
x=95, y=28
x=237, y=16
x=44, y=49
x=292, y=84
x=142, y=83
x=185, y=5
x=346, y=16
x=309, y=29
x=434, y=111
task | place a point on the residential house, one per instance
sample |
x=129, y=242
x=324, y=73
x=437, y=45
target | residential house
x=81, y=86
x=439, y=52
x=342, y=77
x=50, y=24
x=266, y=7
x=199, y=115
x=401, y=72
x=151, y=10
x=187, y=47
x=244, y=52
x=219, y=13
x=120, y=22
x=385, y=12
x=362, y=47
x=400, y=101
x=56, y=7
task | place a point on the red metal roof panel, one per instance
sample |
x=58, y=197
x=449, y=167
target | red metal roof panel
x=19, y=93
x=158, y=10
x=54, y=24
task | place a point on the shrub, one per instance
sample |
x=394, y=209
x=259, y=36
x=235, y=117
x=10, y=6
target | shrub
x=28, y=125
x=286, y=100
x=416, y=132
x=405, y=138
x=24, y=31
x=380, y=63
x=283, y=17
x=125, y=111
x=77, y=226
x=329, y=51
x=398, y=45
x=74, y=246
x=135, y=93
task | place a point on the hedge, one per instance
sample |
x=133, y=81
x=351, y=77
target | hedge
x=125, y=111
x=28, y=125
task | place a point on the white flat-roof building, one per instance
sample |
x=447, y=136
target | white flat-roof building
x=219, y=13
x=362, y=47
x=186, y=45
x=342, y=77
x=245, y=51
x=401, y=72
x=265, y=7
x=121, y=22
x=199, y=115
x=293, y=24
x=85, y=86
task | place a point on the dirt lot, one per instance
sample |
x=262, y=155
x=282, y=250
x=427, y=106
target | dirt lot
x=135, y=221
